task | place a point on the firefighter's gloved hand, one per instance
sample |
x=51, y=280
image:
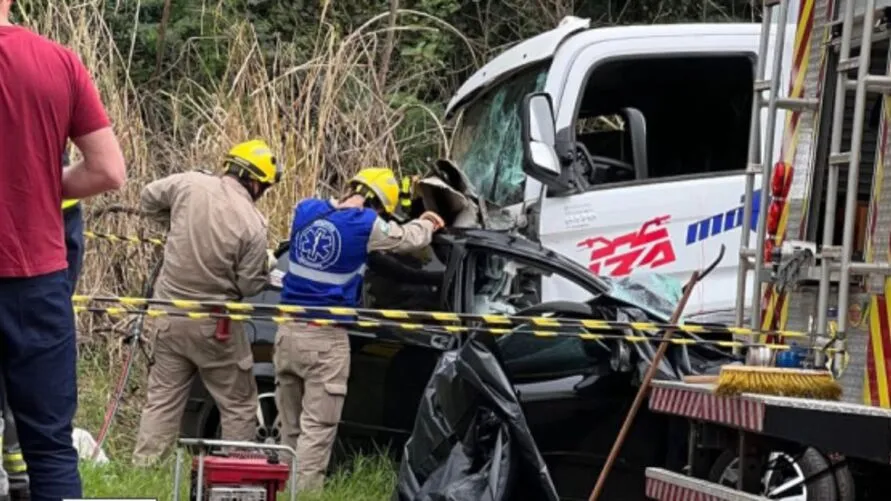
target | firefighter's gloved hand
x=434, y=218
x=271, y=260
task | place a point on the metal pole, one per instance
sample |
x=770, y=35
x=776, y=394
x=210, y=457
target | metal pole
x=754, y=159
x=832, y=178
x=199, y=482
x=178, y=473
x=854, y=168
x=768, y=159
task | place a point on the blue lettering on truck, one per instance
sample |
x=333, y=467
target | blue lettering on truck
x=723, y=222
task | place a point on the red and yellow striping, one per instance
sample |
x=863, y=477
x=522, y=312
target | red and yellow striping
x=878, y=351
x=775, y=305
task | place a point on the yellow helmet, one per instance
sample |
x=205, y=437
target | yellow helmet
x=378, y=183
x=255, y=157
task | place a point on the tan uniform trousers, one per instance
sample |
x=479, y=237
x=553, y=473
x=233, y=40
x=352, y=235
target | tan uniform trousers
x=312, y=365
x=183, y=348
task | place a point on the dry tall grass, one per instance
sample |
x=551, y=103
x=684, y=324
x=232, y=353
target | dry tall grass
x=326, y=115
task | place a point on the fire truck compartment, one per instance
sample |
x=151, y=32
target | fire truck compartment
x=831, y=426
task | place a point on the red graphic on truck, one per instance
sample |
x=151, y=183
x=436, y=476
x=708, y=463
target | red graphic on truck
x=617, y=257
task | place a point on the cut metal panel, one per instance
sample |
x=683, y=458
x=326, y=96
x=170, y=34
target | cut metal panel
x=664, y=485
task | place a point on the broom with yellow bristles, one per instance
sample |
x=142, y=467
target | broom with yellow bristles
x=779, y=381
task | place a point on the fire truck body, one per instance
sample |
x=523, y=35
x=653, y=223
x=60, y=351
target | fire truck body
x=821, y=257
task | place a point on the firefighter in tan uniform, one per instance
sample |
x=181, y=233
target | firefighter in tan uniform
x=215, y=251
x=330, y=241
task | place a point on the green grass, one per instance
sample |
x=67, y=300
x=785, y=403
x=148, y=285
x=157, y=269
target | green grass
x=365, y=478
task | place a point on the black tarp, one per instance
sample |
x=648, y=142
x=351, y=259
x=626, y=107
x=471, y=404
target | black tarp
x=470, y=440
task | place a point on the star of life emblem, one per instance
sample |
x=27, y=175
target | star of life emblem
x=318, y=245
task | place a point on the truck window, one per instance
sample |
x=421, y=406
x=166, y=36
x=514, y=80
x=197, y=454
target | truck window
x=486, y=143
x=697, y=112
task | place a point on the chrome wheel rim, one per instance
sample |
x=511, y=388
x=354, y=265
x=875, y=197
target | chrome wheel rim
x=783, y=479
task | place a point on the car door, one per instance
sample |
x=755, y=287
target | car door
x=573, y=401
x=389, y=365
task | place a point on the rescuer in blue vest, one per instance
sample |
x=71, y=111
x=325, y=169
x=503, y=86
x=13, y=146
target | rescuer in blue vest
x=329, y=244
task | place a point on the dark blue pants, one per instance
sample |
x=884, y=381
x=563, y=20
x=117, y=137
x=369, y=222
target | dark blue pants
x=38, y=361
x=74, y=242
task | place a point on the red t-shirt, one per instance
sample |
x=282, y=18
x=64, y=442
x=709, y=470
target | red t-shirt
x=46, y=97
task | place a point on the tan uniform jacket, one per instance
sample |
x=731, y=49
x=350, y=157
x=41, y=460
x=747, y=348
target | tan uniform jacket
x=216, y=244
x=400, y=238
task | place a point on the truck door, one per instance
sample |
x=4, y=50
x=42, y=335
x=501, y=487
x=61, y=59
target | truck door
x=668, y=210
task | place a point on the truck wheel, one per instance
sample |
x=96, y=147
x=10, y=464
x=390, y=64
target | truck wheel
x=787, y=477
x=269, y=430
x=267, y=423
x=844, y=480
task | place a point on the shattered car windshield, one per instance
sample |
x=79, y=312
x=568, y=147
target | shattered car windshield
x=487, y=144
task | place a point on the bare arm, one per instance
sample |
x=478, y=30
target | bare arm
x=252, y=270
x=102, y=168
x=393, y=237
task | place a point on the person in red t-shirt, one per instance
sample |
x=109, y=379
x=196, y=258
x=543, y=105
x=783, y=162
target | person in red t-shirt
x=46, y=97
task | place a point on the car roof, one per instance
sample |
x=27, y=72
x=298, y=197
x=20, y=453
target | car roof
x=520, y=246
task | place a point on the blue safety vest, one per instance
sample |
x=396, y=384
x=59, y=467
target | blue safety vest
x=327, y=256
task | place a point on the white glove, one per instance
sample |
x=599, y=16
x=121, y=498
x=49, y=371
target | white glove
x=271, y=260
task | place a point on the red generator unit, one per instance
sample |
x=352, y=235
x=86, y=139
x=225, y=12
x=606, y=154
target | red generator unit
x=238, y=477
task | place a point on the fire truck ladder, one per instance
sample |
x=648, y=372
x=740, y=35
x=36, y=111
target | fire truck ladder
x=834, y=257
x=760, y=160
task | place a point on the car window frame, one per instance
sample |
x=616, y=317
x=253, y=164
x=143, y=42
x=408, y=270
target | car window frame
x=467, y=286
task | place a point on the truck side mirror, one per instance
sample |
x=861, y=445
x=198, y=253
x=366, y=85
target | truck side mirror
x=636, y=126
x=540, y=159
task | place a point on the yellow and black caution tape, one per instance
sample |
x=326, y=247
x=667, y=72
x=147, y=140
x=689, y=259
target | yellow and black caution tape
x=408, y=326
x=123, y=238
x=428, y=316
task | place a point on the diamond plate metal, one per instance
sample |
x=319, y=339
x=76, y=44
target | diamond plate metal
x=803, y=313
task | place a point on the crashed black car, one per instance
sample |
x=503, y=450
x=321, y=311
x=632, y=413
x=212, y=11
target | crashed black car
x=574, y=393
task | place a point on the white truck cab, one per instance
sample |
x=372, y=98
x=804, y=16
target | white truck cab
x=623, y=148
